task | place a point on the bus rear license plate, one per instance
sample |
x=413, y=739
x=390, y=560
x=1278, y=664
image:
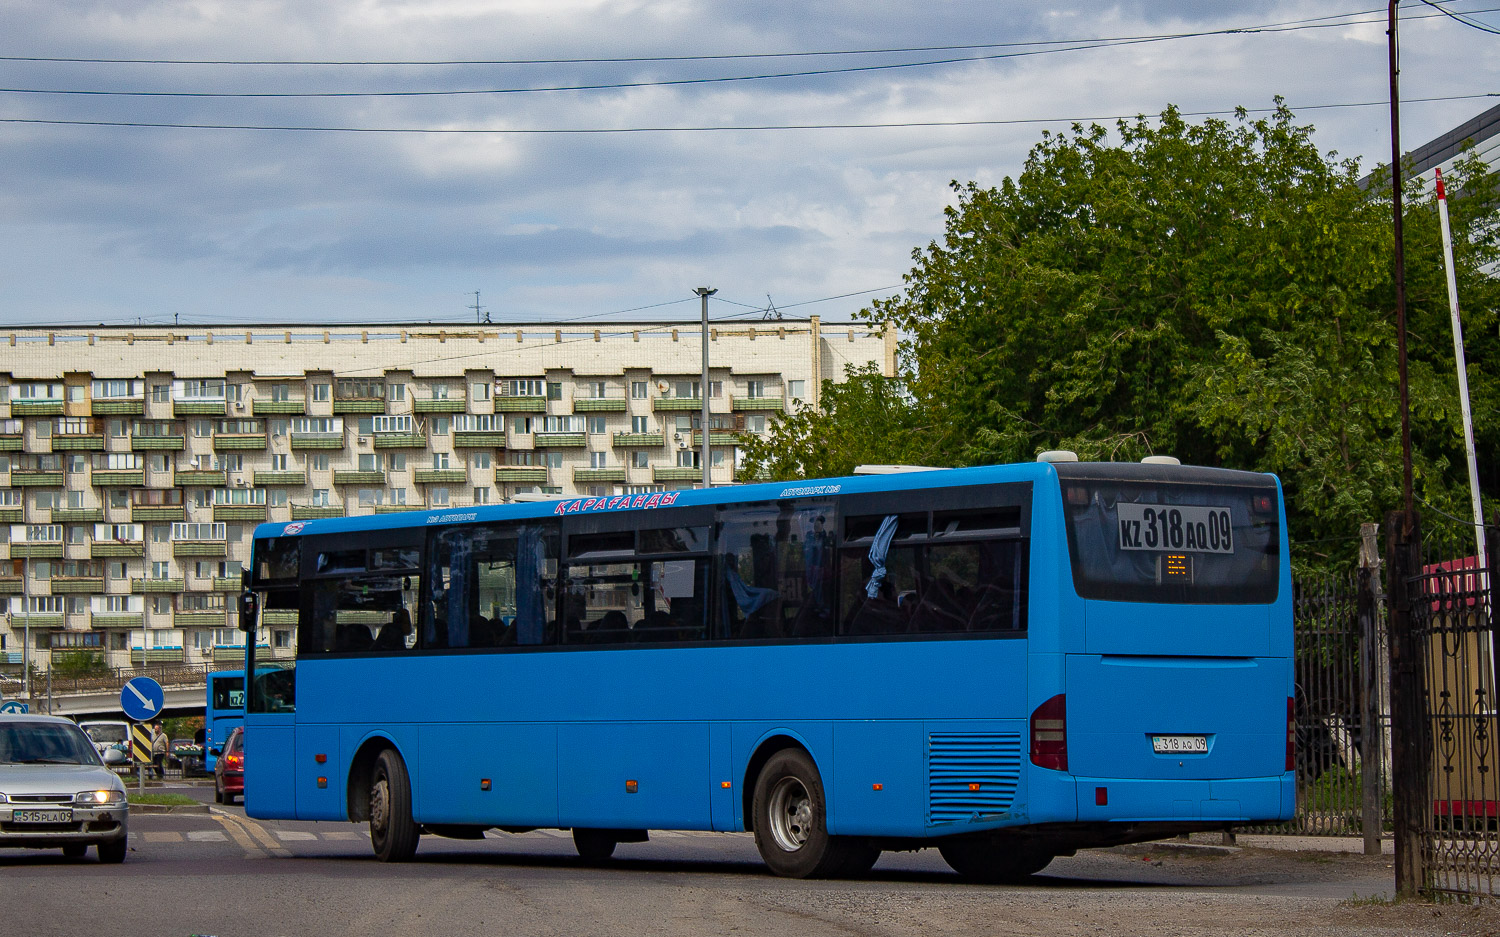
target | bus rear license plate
x=41, y=816
x=1179, y=744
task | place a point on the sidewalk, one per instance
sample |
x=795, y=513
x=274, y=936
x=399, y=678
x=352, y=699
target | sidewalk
x=1212, y=844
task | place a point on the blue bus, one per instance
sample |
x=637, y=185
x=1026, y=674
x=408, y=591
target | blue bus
x=1006, y=663
x=224, y=709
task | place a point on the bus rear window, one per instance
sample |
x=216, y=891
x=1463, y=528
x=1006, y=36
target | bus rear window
x=1156, y=541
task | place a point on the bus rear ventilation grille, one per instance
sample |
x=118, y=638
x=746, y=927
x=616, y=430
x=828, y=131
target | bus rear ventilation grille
x=971, y=773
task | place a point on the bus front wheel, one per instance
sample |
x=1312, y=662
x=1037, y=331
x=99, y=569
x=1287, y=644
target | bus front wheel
x=393, y=832
x=993, y=862
x=791, y=827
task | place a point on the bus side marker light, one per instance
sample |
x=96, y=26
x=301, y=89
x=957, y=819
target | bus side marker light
x=973, y=785
x=484, y=784
x=322, y=783
x=632, y=787
x=1101, y=796
x=726, y=784
x=877, y=787
x=320, y=758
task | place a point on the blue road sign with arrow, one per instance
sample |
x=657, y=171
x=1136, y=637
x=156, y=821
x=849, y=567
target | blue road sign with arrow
x=14, y=706
x=142, y=698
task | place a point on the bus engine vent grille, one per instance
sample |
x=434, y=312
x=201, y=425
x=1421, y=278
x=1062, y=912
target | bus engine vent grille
x=971, y=774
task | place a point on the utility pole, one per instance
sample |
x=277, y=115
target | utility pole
x=478, y=320
x=704, y=292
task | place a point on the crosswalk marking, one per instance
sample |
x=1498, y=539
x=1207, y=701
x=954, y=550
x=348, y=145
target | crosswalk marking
x=207, y=836
x=343, y=835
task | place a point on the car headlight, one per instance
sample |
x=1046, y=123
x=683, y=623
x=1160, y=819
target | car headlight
x=95, y=798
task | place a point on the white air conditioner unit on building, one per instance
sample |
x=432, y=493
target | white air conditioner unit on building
x=362, y=440
x=684, y=444
x=238, y=405
x=677, y=437
x=241, y=483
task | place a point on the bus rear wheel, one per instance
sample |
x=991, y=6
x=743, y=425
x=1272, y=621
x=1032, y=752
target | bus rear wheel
x=594, y=846
x=393, y=832
x=993, y=862
x=791, y=826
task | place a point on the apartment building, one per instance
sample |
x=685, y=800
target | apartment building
x=136, y=462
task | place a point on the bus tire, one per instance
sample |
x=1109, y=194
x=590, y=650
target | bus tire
x=393, y=832
x=791, y=826
x=993, y=862
x=594, y=846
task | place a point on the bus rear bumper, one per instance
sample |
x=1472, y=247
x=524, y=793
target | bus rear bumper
x=1241, y=800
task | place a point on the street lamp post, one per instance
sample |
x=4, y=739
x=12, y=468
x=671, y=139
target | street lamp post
x=704, y=292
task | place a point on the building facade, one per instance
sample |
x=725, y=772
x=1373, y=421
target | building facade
x=136, y=462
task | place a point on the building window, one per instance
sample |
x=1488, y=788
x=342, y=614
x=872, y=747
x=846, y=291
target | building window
x=440, y=460
x=391, y=424
x=687, y=458
x=796, y=389
x=481, y=496
x=198, y=390
x=320, y=497
x=685, y=389
x=161, y=604
x=397, y=461
x=360, y=389
x=44, y=429
x=716, y=388
x=119, y=498
x=397, y=392
x=482, y=460
x=369, y=497
x=594, y=389
x=439, y=496
x=282, y=638
x=440, y=426
x=161, y=393
x=398, y=495
x=755, y=389
x=321, y=391
x=161, y=462
x=318, y=463
x=552, y=459
x=596, y=425
x=278, y=462
x=118, y=429
x=277, y=497
x=369, y=462
x=640, y=459
x=161, y=569
x=755, y=423
x=281, y=392
x=640, y=424
x=479, y=390
x=638, y=390
x=598, y=460
x=522, y=388
x=521, y=424
x=201, y=427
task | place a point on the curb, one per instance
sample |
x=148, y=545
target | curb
x=1146, y=850
x=168, y=808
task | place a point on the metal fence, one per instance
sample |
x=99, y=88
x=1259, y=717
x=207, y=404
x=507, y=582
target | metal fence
x=1453, y=603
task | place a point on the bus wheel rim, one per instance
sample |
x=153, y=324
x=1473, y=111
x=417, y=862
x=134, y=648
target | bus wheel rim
x=790, y=814
x=379, y=806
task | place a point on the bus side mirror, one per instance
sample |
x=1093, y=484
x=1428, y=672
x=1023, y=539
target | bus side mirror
x=249, y=604
x=245, y=578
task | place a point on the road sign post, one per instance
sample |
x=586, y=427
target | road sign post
x=142, y=700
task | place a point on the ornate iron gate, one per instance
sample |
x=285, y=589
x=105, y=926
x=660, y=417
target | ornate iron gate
x=1452, y=617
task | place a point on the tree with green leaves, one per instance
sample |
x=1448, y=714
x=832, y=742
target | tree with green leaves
x=1219, y=291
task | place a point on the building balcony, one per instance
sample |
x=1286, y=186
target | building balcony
x=32, y=478
x=158, y=512
x=598, y=404
x=154, y=443
x=240, y=512
x=10, y=442
x=198, y=408
x=489, y=439
x=151, y=586
x=520, y=404
x=313, y=512
x=43, y=550
x=77, y=515
x=69, y=585
x=83, y=442
x=156, y=655
x=36, y=408
x=639, y=440
x=42, y=620
x=230, y=652
x=444, y=405
x=117, y=407
x=396, y=508
x=200, y=548
x=717, y=437
x=232, y=441
x=520, y=475
x=102, y=549
x=318, y=441
x=447, y=476
x=12, y=585
x=559, y=440
x=400, y=441
x=117, y=478
x=369, y=478
x=278, y=407
x=677, y=403
x=585, y=475
x=117, y=620
x=280, y=479
x=200, y=618
x=227, y=584
x=359, y=405
x=279, y=616
x=12, y=515
x=676, y=473
x=200, y=479
x=757, y=404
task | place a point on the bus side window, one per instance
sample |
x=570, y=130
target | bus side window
x=492, y=587
x=776, y=565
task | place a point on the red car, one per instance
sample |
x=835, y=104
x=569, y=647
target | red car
x=229, y=769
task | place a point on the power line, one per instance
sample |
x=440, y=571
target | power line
x=1462, y=18
x=293, y=128
x=1308, y=22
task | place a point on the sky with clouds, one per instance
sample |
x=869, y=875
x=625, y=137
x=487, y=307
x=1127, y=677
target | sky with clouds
x=102, y=223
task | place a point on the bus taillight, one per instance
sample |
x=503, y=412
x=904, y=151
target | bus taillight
x=1291, y=734
x=1049, y=734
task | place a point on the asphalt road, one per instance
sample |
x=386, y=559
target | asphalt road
x=222, y=874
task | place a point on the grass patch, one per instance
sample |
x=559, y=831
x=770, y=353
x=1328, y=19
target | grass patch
x=161, y=800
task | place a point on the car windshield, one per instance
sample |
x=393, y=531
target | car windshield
x=36, y=743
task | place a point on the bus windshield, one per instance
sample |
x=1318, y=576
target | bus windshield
x=1135, y=538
